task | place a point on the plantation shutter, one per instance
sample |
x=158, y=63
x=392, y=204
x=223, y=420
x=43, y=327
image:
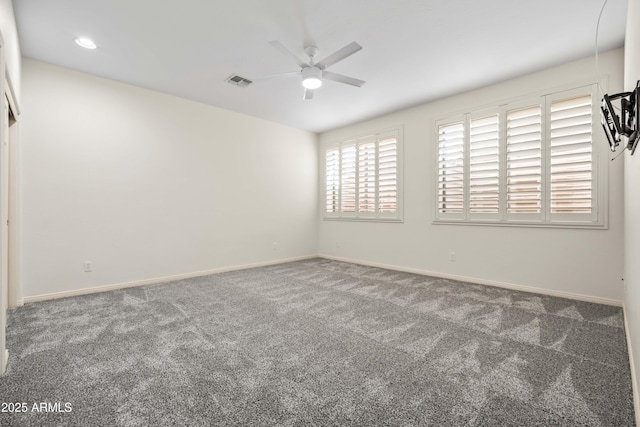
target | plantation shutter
x=571, y=157
x=527, y=162
x=332, y=180
x=348, y=178
x=367, y=176
x=524, y=162
x=451, y=169
x=484, y=167
x=362, y=178
x=388, y=175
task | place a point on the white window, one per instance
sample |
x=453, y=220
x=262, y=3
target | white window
x=362, y=177
x=532, y=162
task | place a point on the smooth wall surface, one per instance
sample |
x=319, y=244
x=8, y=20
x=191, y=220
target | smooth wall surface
x=576, y=261
x=632, y=205
x=145, y=185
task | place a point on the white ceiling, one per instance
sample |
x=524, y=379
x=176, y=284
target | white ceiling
x=414, y=50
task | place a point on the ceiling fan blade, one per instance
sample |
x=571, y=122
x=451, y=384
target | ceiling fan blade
x=308, y=94
x=282, y=48
x=339, y=55
x=272, y=76
x=342, y=79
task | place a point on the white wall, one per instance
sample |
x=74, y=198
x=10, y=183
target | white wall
x=632, y=205
x=575, y=261
x=146, y=185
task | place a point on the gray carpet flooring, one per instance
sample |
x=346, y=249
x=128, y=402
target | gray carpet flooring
x=317, y=342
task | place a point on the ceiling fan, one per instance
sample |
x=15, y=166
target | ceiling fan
x=312, y=72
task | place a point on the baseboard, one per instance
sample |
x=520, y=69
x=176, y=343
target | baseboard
x=632, y=366
x=156, y=280
x=152, y=281
x=475, y=280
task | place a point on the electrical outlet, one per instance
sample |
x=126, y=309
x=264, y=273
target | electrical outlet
x=274, y=246
x=452, y=256
x=87, y=266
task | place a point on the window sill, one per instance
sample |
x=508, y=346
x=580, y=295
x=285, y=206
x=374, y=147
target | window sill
x=355, y=219
x=529, y=224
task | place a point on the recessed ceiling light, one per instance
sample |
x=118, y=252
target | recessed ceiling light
x=85, y=43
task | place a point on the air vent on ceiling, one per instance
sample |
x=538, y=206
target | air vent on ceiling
x=237, y=80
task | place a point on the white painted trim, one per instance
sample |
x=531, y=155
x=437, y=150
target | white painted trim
x=475, y=280
x=153, y=281
x=156, y=280
x=13, y=266
x=5, y=361
x=11, y=95
x=632, y=366
x=3, y=231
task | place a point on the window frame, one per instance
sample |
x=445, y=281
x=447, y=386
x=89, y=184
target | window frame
x=597, y=218
x=358, y=141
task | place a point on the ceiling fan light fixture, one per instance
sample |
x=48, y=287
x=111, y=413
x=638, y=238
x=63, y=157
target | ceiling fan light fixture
x=85, y=43
x=311, y=77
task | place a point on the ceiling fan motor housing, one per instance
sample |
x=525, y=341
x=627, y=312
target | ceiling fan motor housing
x=311, y=51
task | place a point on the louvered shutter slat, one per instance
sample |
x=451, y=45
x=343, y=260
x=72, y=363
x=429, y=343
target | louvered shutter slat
x=332, y=178
x=571, y=157
x=524, y=160
x=484, y=168
x=348, y=179
x=367, y=177
x=387, y=175
x=450, y=168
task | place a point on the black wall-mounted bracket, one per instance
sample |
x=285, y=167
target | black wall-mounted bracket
x=624, y=124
